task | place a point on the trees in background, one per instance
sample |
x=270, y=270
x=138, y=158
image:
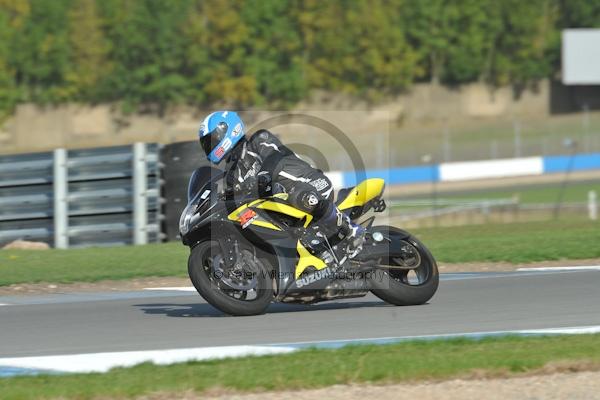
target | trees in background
x=40, y=53
x=223, y=37
x=147, y=52
x=498, y=42
x=90, y=49
x=12, y=16
x=357, y=47
x=271, y=52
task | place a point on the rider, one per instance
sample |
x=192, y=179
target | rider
x=262, y=163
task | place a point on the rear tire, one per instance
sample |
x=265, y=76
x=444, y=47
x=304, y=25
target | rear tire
x=390, y=285
x=207, y=284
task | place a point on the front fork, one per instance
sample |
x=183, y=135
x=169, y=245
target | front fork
x=227, y=243
x=229, y=250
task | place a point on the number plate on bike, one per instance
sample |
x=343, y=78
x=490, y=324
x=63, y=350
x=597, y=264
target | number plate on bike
x=246, y=217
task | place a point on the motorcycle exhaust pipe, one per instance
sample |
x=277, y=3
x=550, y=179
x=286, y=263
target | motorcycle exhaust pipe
x=371, y=264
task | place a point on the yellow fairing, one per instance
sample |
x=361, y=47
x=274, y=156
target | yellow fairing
x=287, y=210
x=307, y=260
x=362, y=193
x=235, y=215
x=271, y=206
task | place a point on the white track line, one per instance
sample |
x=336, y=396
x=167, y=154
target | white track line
x=573, y=268
x=102, y=362
x=578, y=330
x=174, y=289
x=4, y=304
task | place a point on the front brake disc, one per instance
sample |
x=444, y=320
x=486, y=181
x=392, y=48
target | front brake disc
x=240, y=278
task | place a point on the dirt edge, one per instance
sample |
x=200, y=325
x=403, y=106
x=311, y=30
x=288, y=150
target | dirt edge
x=552, y=371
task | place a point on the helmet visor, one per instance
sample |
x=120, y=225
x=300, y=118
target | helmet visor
x=211, y=141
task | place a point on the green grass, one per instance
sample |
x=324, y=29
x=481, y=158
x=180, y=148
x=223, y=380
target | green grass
x=574, y=193
x=317, y=368
x=93, y=264
x=515, y=243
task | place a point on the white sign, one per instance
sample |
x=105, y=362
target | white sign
x=581, y=57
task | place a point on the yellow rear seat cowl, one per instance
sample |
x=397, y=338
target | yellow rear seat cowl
x=364, y=192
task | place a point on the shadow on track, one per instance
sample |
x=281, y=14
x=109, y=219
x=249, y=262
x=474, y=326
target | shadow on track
x=208, y=311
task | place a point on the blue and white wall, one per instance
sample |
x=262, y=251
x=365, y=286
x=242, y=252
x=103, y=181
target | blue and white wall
x=471, y=170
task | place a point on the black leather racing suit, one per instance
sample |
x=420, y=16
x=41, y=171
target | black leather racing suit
x=264, y=162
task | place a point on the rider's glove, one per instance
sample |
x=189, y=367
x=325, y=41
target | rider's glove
x=264, y=183
x=247, y=188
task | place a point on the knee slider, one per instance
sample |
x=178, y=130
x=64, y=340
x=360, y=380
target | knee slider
x=305, y=199
x=309, y=200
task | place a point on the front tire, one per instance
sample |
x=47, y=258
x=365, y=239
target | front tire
x=212, y=288
x=393, y=286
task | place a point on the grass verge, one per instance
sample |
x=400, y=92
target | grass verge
x=313, y=368
x=575, y=192
x=514, y=243
x=92, y=264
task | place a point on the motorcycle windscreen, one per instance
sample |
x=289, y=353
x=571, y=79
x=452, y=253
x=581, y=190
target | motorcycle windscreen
x=200, y=178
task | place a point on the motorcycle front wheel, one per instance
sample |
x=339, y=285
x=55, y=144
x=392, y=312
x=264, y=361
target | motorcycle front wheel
x=246, y=289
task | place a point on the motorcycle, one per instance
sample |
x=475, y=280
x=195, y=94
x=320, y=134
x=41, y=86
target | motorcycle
x=246, y=254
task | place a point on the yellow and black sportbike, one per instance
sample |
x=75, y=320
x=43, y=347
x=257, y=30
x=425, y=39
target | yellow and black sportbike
x=247, y=254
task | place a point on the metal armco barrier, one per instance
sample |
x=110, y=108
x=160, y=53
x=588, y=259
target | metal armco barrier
x=75, y=198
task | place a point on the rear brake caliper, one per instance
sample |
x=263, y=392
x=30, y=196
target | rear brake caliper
x=409, y=257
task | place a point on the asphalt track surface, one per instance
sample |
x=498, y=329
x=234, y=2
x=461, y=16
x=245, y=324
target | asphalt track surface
x=153, y=320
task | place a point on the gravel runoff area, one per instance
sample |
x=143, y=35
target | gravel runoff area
x=142, y=283
x=559, y=386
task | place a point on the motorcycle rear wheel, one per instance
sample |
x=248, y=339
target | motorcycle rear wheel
x=394, y=286
x=212, y=287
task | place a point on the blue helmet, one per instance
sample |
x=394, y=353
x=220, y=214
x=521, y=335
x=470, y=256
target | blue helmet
x=219, y=133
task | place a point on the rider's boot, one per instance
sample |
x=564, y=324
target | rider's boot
x=336, y=230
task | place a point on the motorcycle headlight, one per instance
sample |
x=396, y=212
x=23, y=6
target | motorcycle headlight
x=186, y=218
x=193, y=212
